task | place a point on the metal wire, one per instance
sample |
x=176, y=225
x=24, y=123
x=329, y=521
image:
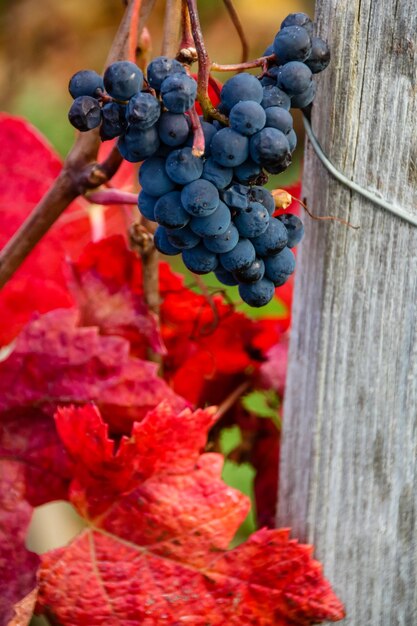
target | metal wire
x=369, y=195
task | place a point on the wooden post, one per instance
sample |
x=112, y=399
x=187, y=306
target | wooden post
x=348, y=476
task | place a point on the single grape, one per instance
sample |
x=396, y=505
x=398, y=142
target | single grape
x=275, y=97
x=262, y=195
x=162, y=244
x=236, y=197
x=114, y=121
x=279, y=118
x=178, y=92
x=247, y=172
x=247, y=117
x=169, y=211
x=242, y=86
x=292, y=140
x=270, y=146
x=278, y=268
x=292, y=43
x=304, y=99
x=143, y=111
x=229, y=148
x=136, y=144
x=200, y=197
x=200, y=260
x=146, y=205
x=241, y=257
x=217, y=174
x=257, y=294
x=215, y=224
x=85, y=113
x=160, y=68
x=183, y=238
x=294, y=78
x=85, y=83
x=252, y=221
x=173, y=128
x=153, y=178
x=224, y=277
x=122, y=80
x=223, y=243
x=268, y=51
x=251, y=274
x=183, y=167
x=294, y=226
x=299, y=19
x=272, y=240
x=267, y=81
x=319, y=57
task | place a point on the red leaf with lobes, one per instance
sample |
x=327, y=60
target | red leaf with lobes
x=157, y=554
x=55, y=361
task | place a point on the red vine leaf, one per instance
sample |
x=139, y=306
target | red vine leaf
x=157, y=554
x=55, y=361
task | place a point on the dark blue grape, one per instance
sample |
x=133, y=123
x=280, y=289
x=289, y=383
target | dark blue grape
x=240, y=87
x=262, y=195
x=215, y=224
x=257, y=294
x=85, y=83
x=278, y=268
x=267, y=81
x=217, y=174
x=229, y=148
x=200, y=197
x=200, y=260
x=247, y=171
x=270, y=146
x=183, y=238
x=114, y=121
x=252, y=221
x=161, y=67
x=169, y=211
x=251, y=274
x=136, y=145
x=277, y=117
x=224, y=277
x=146, y=204
x=143, y=111
x=162, y=244
x=292, y=43
x=294, y=226
x=183, y=167
x=208, y=131
x=294, y=78
x=273, y=240
x=85, y=113
x=299, y=19
x=178, y=92
x=173, y=128
x=275, y=97
x=247, y=117
x=122, y=80
x=153, y=178
x=236, y=197
x=268, y=51
x=223, y=243
x=292, y=140
x=240, y=258
x=319, y=57
x=304, y=99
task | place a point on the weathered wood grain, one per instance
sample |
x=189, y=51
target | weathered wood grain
x=349, y=464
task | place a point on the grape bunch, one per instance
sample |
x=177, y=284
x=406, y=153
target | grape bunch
x=213, y=209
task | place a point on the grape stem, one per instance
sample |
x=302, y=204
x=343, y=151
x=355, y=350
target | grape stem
x=81, y=172
x=236, y=67
x=239, y=28
x=111, y=196
x=199, y=140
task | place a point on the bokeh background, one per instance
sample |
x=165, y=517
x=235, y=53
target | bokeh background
x=42, y=43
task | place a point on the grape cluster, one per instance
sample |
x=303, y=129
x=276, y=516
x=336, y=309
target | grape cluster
x=213, y=209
